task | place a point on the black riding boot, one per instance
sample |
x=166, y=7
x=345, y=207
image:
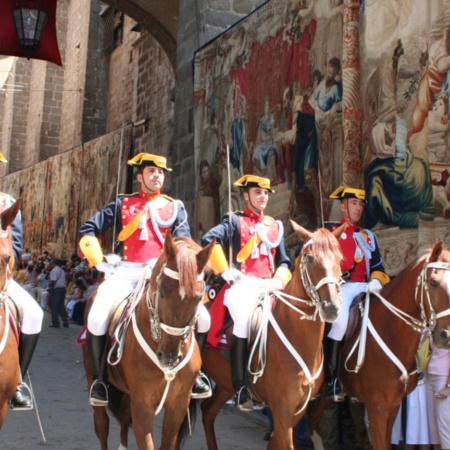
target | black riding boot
x=98, y=395
x=22, y=398
x=201, y=388
x=332, y=350
x=238, y=361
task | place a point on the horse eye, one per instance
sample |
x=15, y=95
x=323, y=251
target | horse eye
x=434, y=283
x=309, y=259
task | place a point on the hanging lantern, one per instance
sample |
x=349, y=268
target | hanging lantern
x=29, y=18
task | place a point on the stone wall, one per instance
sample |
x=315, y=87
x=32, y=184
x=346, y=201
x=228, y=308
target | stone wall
x=199, y=22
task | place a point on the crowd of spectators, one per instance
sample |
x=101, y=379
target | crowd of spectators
x=82, y=282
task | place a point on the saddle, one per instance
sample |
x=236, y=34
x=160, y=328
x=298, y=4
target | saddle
x=354, y=316
x=220, y=333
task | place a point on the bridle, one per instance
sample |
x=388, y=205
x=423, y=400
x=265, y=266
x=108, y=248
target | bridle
x=310, y=288
x=156, y=326
x=422, y=285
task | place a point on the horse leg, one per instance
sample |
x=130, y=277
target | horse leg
x=143, y=416
x=3, y=413
x=210, y=409
x=379, y=427
x=282, y=438
x=173, y=418
x=125, y=420
x=101, y=425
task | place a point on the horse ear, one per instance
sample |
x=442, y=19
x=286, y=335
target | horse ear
x=437, y=250
x=168, y=245
x=8, y=215
x=338, y=231
x=204, y=255
x=301, y=232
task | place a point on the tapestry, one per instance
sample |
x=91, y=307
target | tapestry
x=104, y=175
x=60, y=225
x=59, y=194
x=32, y=183
x=315, y=94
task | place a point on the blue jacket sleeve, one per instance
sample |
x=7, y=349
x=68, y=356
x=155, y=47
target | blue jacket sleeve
x=103, y=220
x=181, y=225
x=17, y=237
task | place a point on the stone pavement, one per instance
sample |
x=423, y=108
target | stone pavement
x=59, y=383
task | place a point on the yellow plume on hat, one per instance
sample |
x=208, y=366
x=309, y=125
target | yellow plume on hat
x=2, y=158
x=147, y=159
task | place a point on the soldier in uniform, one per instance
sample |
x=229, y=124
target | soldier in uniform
x=362, y=269
x=142, y=220
x=259, y=250
x=30, y=312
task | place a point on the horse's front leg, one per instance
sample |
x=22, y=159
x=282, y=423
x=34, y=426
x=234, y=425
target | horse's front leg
x=174, y=415
x=380, y=427
x=3, y=413
x=101, y=426
x=143, y=416
x=282, y=438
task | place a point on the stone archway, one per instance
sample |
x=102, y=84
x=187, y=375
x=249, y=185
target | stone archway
x=159, y=18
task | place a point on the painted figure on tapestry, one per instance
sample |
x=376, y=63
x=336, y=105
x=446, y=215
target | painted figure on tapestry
x=265, y=153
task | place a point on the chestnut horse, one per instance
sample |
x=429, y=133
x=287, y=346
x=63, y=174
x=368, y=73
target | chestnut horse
x=161, y=359
x=9, y=356
x=290, y=372
x=419, y=296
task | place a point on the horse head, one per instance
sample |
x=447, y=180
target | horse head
x=437, y=286
x=320, y=269
x=6, y=249
x=177, y=287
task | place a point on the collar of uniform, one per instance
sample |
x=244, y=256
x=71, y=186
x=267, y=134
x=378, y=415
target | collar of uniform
x=257, y=217
x=148, y=196
x=351, y=226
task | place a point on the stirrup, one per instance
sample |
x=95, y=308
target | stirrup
x=98, y=400
x=204, y=384
x=335, y=391
x=243, y=400
x=20, y=400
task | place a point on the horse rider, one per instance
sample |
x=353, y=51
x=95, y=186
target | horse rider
x=29, y=311
x=141, y=221
x=259, y=250
x=362, y=269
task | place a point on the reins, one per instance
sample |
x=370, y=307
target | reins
x=4, y=297
x=415, y=324
x=267, y=316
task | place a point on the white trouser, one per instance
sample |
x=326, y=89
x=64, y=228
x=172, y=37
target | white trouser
x=348, y=292
x=118, y=286
x=204, y=319
x=114, y=289
x=29, y=310
x=241, y=300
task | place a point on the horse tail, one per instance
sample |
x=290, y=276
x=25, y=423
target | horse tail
x=189, y=421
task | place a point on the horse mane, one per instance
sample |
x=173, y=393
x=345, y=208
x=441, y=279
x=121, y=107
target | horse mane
x=186, y=261
x=325, y=246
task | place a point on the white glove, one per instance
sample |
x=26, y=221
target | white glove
x=276, y=284
x=103, y=267
x=232, y=275
x=374, y=286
